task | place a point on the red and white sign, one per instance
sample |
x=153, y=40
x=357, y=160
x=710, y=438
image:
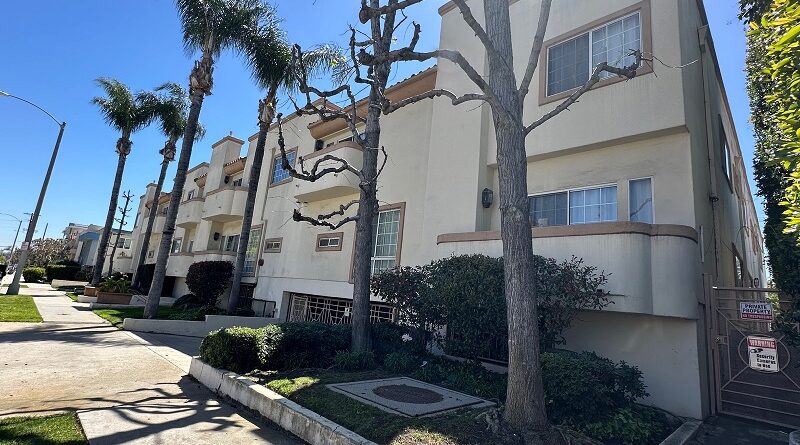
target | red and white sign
x=751, y=310
x=763, y=353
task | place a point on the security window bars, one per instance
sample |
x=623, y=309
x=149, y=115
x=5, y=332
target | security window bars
x=570, y=63
x=251, y=255
x=384, y=253
x=278, y=172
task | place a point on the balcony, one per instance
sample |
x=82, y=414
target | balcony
x=215, y=255
x=652, y=268
x=332, y=185
x=178, y=263
x=190, y=212
x=225, y=204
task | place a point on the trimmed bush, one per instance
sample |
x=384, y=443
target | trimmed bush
x=354, y=361
x=389, y=337
x=33, y=274
x=61, y=272
x=302, y=345
x=401, y=362
x=234, y=349
x=632, y=425
x=187, y=301
x=207, y=280
x=117, y=284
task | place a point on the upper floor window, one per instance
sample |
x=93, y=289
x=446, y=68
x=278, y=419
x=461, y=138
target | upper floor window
x=329, y=241
x=640, y=204
x=237, y=182
x=570, y=63
x=725, y=152
x=251, y=254
x=273, y=245
x=176, y=245
x=385, y=244
x=278, y=172
x=231, y=243
x=583, y=206
x=190, y=195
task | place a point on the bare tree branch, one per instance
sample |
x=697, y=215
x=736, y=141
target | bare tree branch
x=297, y=216
x=536, y=50
x=366, y=13
x=389, y=107
x=315, y=173
x=628, y=72
x=476, y=27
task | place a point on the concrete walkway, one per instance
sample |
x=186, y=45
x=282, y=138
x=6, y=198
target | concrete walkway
x=724, y=430
x=127, y=389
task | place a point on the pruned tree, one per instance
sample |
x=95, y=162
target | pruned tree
x=44, y=252
x=363, y=211
x=505, y=95
x=123, y=212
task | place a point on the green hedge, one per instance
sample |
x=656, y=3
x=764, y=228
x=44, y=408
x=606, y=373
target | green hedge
x=234, y=349
x=303, y=345
x=61, y=272
x=33, y=274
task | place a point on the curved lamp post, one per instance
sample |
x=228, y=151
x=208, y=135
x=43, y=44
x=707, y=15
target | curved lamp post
x=13, y=289
x=19, y=226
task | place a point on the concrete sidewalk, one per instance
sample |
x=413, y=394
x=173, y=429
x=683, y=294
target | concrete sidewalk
x=126, y=389
x=724, y=430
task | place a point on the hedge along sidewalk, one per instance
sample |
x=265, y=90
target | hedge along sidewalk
x=302, y=422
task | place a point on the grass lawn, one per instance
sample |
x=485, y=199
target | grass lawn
x=307, y=387
x=62, y=429
x=18, y=308
x=116, y=316
x=72, y=296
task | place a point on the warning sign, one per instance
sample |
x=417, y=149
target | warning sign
x=763, y=352
x=755, y=311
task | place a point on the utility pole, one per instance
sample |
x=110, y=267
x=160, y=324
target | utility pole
x=45, y=230
x=124, y=212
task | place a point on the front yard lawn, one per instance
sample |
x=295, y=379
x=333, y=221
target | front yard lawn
x=72, y=296
x=20, y=308
x=117, y=315
x=62, y=429
x=307, y=387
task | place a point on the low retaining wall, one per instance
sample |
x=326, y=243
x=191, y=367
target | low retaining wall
x=302, y=422
x=194, y=328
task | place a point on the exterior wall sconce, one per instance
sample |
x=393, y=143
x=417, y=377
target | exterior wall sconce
x=216, y=236
x=487, y=197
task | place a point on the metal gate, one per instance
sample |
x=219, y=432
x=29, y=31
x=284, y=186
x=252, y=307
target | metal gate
x=757, y=372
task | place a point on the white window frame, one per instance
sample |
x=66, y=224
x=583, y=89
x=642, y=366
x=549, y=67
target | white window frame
x=325, y=242
x=272, y=245
x=190, y=194
x=591, y=66
x=569, y=206
x=652, y=196
x=373, y=257
x=233, y=248
x=177, y=244
x=251, y=262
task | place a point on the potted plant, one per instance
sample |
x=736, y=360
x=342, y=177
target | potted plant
x=114, y=290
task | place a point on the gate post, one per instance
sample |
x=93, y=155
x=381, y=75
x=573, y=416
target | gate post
x=712, y=359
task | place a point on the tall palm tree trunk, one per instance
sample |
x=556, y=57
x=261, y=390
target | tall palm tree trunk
x=151, y=219
x=266, y=112
x=160, y=273
x=123, y=148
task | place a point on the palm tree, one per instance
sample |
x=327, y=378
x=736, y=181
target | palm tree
x=270, y=61
x=126, y=114
x=171, y=106
x=210, y=26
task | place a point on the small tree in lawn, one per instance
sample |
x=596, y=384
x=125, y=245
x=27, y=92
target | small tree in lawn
x=505, y=95
x=207, y=280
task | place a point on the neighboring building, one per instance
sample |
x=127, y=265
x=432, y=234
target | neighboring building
x=89, y=240
x=71, y=234
x=643, y=179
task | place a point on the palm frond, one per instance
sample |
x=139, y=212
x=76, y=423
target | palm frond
x=221, y=24
x=121, y=109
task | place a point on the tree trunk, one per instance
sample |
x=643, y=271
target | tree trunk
x=97, y=274
x=151, y=219
x=525, y=406
x=157, y=285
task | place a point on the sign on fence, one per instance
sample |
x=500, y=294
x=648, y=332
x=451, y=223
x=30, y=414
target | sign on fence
x=763, y=352
x=751, y=310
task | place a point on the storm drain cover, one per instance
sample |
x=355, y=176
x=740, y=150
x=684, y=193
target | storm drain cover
x=407, y=397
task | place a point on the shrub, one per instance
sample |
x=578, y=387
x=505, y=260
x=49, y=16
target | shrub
x=467, y=376
x=61, y=271
x=389, y=337
x=67, y=263
x=197, y=313
x=186, y=301
x=302, y=345
x=207, y=280
x=633, y=425
x=581, y=386
x=115, y=284
x=33, y=274
x=354, y=361
x=234, y=349
x=467, y=295
x=85, y=274
x=401, y=362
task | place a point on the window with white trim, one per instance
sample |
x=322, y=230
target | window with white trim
x=582, y=206
x=384, y=246
x=176, y=245
x=278, y=172
x=190, y=194
x=725, y=152
x=273, y=245
x=570, y=63
x=640, y=203
x=231, y=243
x=333, y=241
x=251, y=254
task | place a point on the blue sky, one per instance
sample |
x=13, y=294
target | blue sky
x=53, y=50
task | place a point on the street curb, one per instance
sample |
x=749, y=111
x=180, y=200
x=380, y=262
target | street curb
x=683, y=434
x=301, y=422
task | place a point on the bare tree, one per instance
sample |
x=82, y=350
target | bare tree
x=505, y=95
x=363, y=211
x=123, y=210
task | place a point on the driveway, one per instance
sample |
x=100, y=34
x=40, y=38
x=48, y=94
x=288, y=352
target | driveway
x=127, y=389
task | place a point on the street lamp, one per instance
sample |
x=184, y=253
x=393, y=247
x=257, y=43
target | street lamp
x=19, y=226
x=13, y=289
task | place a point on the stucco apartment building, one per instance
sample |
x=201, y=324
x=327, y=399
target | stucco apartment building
x=85, y=239
x=642, y=178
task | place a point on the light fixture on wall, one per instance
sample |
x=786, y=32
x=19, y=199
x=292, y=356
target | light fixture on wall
x=216, y=236
x=487, y=197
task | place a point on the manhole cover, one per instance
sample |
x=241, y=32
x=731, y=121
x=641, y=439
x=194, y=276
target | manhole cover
x=408, y=394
